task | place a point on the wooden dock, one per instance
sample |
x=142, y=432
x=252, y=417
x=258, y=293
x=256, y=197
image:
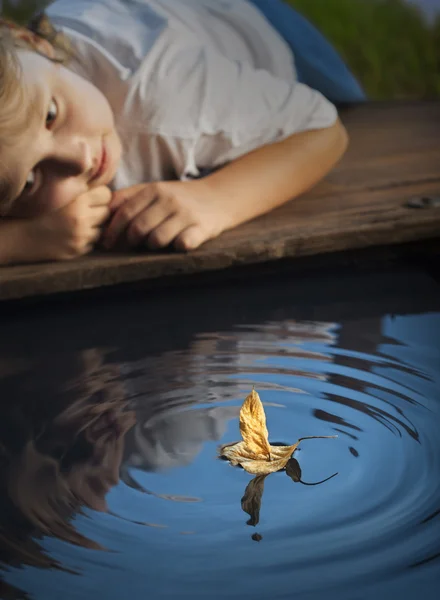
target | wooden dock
x=386, y=191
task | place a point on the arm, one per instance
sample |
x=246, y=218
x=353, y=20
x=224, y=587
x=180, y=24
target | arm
x=276, y=137
x=273, y=174
x=13, y=243
x=189, y=213
x=66, y=233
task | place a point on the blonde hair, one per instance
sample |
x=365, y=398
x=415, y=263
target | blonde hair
x=11, y=91
x=13, y=121
x=42, y=27
x=10, y=84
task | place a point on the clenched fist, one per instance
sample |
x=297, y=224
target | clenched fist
x=70, y=231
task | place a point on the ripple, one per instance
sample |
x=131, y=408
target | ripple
x=125, y=469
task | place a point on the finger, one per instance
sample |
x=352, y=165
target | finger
x=89, y=248
x=147, y=221
x=164, y=234
x=121, y=196
x=86, y=246
x=95, y=235
x=92, y=243
x=100, y=196
x=190, y=238
x=123, y=217
x=99, y=215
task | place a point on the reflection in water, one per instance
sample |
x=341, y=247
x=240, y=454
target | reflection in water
x=57, y=457
x=66, y=456
x=66, y=453
x=253, y=494
x=111, y=415
x=251, y=501
x=173, y=438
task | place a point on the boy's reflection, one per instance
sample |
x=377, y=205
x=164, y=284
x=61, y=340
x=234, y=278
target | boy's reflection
x=70, y=423
x=62, y=447
x=174, y=438
x=58, y=457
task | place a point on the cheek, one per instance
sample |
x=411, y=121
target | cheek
x=61, y=194
x=55, y=197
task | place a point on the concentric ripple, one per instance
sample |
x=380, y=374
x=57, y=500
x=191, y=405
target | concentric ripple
x=140, y=501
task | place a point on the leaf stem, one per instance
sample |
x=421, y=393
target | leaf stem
x=314, y=437
x=318, y=482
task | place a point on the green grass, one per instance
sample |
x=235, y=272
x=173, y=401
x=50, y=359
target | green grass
x=22, y=12
x=387, y=43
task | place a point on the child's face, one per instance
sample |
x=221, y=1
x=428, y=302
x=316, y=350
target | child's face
x=70, y=144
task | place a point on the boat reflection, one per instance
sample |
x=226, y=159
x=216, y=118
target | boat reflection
x=253, y=494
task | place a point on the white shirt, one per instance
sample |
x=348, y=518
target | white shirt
x=193, y=83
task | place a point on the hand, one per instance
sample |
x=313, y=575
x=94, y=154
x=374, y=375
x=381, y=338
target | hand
x=70, y=231
x=184, y=214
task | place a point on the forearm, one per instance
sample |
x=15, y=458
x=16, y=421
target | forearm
x=273, y=174
x=188, y=213
x=13, y=243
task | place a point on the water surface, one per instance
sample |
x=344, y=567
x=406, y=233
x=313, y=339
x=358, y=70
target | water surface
x=112, y=412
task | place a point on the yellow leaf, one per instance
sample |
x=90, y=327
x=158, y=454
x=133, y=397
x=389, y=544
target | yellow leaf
x=253, y=426
x=236, y=453
x=239, y=454
x=282, y=452
x=264, y=467
x=254, y=453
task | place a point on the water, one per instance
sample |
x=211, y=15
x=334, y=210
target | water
x=112, y=412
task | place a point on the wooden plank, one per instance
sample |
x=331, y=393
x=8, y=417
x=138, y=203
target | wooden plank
x=394, y=156
x=390, y=145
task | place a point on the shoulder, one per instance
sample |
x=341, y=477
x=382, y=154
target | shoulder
x=126, y=31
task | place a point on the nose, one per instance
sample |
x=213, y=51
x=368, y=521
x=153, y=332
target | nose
x=74, y=156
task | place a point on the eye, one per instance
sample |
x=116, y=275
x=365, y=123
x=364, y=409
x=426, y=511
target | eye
x=30, y=180
x=52, y=113
x=51, y=116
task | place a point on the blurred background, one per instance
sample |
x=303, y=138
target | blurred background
x=392, y=46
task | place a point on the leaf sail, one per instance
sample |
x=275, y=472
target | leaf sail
x=254, y=453
x=253, y=426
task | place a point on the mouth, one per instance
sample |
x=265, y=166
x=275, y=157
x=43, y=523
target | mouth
x=104, y=162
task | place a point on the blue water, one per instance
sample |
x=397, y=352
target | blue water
x=112, y=412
